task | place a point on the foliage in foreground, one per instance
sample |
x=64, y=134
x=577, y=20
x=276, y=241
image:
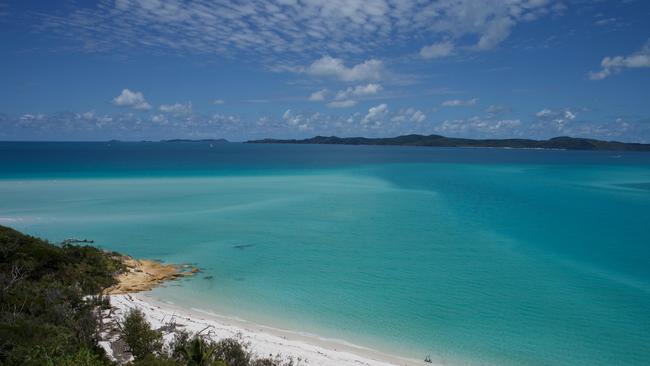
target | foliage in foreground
x=44, y=318
x=148, y=349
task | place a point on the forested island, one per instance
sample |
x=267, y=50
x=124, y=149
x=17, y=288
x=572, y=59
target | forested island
x=560, y=143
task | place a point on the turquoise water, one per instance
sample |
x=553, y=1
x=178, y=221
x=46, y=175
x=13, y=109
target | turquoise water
x=475, y=256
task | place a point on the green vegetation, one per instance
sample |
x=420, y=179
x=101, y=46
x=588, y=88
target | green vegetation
x=50, y=313
x=137, y=333
x=46, y=317
x=148, y=349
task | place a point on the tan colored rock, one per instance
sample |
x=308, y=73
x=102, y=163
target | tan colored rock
x=145, y=274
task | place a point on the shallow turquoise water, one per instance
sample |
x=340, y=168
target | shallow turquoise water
x=476, y=256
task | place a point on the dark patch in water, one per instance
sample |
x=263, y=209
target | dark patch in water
x=208, y=277
x=644, y=185
x=243, y=246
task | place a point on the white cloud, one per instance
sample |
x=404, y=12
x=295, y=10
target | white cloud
x=558, y=119
x=496, y=32
x=612, y=65
x=437, y=50
x=131, y=99
x=342, y=103
x=377, y=122
x=218, y=101
x=495, y=109
x=159, y=118
x=480, y=127
x=177, y=108
x=375, y=114
x=318, y=96
x=88, y=116
x=544, y=113
x=348, y=97
x=418, y=116
x=358, y=91
x=300, y=121
x=409, y=115
x=335, y=67
x=459, y=103
x=28, y=117
x=104, y=120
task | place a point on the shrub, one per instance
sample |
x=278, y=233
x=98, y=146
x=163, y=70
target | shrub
x=83, y=357
x=232, y=352
x=153, y=360
x=142, y=340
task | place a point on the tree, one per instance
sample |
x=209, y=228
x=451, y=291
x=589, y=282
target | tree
x=139, y=336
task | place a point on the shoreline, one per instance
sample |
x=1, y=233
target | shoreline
x=264, y=341
x=144, y=274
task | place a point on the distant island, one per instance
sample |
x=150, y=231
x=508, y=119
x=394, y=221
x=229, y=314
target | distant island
x=560, y=143
x=215, y=141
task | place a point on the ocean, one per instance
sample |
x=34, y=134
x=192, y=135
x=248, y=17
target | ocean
x=474, y=256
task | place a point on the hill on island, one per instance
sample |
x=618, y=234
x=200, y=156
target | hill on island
x=563, y=142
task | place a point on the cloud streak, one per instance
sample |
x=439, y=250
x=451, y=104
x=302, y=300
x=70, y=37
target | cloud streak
x=616, y=64
x=459, y=103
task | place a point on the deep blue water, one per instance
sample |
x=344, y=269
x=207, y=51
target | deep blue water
x=477, y=256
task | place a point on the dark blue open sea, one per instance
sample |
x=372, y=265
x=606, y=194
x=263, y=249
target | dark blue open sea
x=475, y=256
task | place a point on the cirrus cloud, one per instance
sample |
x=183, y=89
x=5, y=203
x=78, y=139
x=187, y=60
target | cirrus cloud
x=272, y=28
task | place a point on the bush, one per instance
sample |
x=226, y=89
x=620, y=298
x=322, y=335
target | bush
x=142, y=340
x=194, y=351
x=232, y=352
x=83, y=357
x=153, y=360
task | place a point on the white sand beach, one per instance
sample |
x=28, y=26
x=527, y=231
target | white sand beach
x=263, y=341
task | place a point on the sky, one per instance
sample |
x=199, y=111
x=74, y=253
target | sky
x=152, y=69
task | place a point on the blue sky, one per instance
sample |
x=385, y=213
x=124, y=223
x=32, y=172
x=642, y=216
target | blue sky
x=149, y=69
